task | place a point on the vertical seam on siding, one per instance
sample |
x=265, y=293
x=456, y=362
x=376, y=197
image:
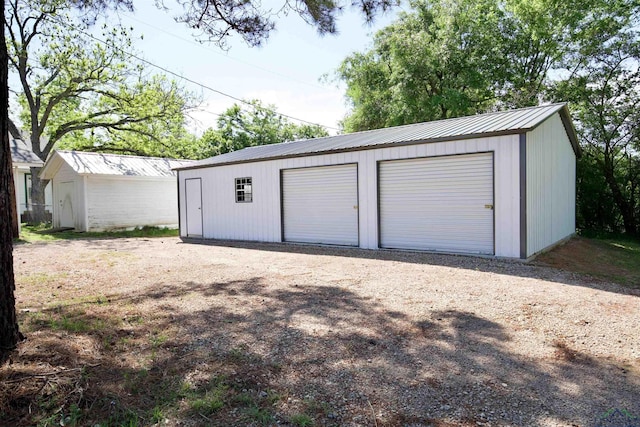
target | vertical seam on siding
x=358, y=201
x=493, y=197
x=282, y=205
x=378, y=207
x=85, y=193
x=523, y=195
x=178, y=195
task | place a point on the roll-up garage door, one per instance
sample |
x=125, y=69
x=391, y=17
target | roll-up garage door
x=320, y=205
x=438, y=203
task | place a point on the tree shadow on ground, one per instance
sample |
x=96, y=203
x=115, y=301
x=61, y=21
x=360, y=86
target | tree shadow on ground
x=511, y=267
x=298, y=355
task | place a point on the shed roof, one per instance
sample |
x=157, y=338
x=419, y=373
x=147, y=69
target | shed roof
x=85, y=163
x=480, y=125
x=21, y=153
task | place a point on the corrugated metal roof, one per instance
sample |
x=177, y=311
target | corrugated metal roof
x=120, y=165
x=21, y=153
x=497, y=123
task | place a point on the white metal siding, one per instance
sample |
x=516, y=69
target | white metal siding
x=115, y=203
x=439, y=203
x=261, y=219
x=320, y=205
x=550, y=186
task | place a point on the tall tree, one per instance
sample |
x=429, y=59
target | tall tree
x=458, y=57
x=432, y=63
x=9, y=331
x=605, y=94
x=72, y=83
x=241, y=126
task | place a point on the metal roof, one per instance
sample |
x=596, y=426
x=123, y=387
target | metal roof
x=489, y=124
x=21, y=153
x=113, y=164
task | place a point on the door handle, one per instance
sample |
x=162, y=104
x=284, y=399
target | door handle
x=488, y=207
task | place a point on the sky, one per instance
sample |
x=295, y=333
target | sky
x=285, y=72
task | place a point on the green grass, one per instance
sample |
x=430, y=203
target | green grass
x=625, y=255
x=612, y=257
x=260, y=415
x=42, y=233
x=301, y=420
x=212, y=400
x=37, y=279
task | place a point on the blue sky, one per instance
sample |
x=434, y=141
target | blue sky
x=284, y=72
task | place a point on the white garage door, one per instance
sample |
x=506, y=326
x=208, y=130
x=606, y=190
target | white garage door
x=320, y=205
x=438, y=203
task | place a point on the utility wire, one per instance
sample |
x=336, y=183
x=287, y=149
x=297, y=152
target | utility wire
x=201, y=46
x=187, y=79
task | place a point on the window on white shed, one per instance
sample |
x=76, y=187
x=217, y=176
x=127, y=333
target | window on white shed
x=244, y=191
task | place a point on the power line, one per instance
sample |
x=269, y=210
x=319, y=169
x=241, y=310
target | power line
x=187, y=79
x=199, y=45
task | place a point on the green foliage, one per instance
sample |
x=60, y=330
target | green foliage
x=430, y=64
x=87, y=90
x=158, y=104
x=604, y=91
x=454, y=58
x=595, y=208
x=239, y=127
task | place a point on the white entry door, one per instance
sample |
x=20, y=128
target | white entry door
x=193, y=198
x=66, y=199
x=320, y=205
x=438, y=203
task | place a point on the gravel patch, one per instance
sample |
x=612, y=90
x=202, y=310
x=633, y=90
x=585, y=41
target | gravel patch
x=363, y=337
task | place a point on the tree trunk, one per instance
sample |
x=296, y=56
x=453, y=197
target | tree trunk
x=37, y=197
x=13, y=198
x=626, y=208
x=9, y=332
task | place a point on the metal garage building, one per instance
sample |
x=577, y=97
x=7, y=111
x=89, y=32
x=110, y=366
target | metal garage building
x=498, y=184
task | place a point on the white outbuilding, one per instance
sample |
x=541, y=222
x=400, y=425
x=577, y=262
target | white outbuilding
x=499, y=184
x=98, y=192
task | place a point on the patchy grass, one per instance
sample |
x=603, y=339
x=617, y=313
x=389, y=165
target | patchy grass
x=39, y=279
x=301, y=420
x=188, y=335
x=42, y=233
x=611, y=258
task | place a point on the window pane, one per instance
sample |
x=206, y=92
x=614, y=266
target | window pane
x=243, y=189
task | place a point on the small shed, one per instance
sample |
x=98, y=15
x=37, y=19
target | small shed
x=499, y=184
x=97, y=192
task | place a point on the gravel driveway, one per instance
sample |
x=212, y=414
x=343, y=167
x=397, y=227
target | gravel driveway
x=353, y=337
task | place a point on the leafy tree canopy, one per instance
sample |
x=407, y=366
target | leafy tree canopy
x=239, y=127
x=91, y=93
x=159, y=129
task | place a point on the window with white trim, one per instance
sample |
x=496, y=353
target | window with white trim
x=244, y=190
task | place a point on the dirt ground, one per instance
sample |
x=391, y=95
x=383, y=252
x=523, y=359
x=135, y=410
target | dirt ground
x=144, y=332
